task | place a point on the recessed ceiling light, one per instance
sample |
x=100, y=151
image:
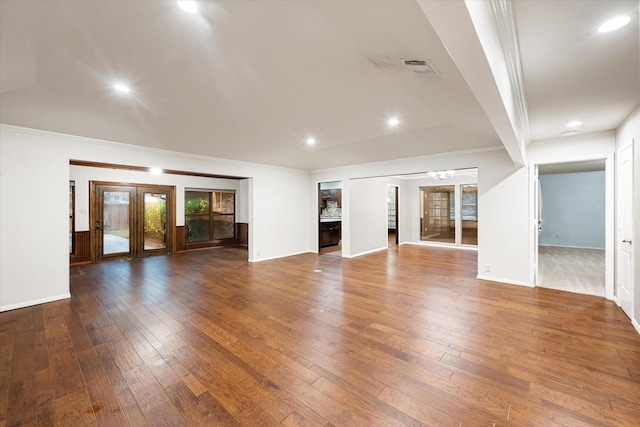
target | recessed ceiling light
x=121, y=87
x=311, y=141
x=574, y=123
x=613, y=24
x=569, y=133
x=393, y=122
x=188, y=6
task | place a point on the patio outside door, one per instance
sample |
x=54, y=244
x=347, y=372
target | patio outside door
x=131, y=220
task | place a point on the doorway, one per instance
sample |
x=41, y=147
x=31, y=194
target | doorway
x=330, y=217
x=571, y=236
x=393, y=232
x=131, y=221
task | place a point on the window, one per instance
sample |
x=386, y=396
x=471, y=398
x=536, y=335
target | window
x=469, y=214
x=209, y=216
x=470, y=202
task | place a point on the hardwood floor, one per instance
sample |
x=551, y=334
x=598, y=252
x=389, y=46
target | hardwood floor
x=404, y=337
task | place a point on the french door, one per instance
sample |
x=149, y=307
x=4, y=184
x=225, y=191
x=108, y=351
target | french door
x=131, y=220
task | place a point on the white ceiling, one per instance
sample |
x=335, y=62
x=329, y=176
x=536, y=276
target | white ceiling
x=572, y=167
x=252, y=80
x=572, y=72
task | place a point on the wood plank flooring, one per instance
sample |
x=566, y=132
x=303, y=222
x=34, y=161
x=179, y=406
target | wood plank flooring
x=403, y=337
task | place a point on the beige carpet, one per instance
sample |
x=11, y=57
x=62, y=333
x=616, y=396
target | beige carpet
x=572, y=269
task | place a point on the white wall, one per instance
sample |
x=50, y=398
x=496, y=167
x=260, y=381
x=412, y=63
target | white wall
x=573, y=213
x=503, y=239
x=368, y=216
x=628, y=132
x=34, y=179
x=242, y=201
x=34, y=221
x=597, y=145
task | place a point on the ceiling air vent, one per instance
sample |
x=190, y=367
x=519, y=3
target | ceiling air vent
x=420, y=66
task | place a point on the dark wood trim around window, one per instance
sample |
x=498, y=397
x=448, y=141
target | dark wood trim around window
x=146, y=169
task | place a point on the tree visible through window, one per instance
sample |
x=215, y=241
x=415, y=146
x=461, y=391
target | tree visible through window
x=209, y=216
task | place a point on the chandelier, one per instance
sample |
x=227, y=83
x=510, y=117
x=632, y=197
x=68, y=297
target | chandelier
x=440, y=175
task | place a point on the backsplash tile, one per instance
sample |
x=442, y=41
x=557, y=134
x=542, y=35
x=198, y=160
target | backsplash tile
x=331, y=211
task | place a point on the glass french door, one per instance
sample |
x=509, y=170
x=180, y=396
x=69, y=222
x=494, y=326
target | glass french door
x=131, y=221
x=449, y=214
x=438, y=214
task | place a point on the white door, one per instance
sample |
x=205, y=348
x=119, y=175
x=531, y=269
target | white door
x=625, y=231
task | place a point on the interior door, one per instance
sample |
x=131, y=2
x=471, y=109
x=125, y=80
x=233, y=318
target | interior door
x=625, y=231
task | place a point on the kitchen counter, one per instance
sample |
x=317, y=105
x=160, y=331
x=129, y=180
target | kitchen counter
x=330, y=219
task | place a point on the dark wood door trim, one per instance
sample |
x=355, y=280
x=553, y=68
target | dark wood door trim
x=136, y=232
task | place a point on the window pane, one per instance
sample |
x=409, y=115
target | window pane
x=197, y=229
x=224, y=227
x=469, y=214
x=196, y=202
x=116, y=222
x=155, y=221
x=223, y=202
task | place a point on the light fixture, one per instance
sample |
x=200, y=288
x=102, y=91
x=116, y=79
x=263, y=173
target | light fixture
x=188, y=6
x=440, y=175
x=574, y=123
x=393, y=122
x=122, y=88
x=155, y=171
x=613, y=24
x=311, y=141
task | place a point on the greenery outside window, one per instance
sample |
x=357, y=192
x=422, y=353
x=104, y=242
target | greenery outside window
x=209, y=216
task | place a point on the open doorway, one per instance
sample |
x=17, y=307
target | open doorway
x=330, y=217
x=572, y=228
x=392, y=215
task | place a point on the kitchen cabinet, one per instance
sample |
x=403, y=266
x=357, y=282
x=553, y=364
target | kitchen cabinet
x=331, y=196
x=330, y=233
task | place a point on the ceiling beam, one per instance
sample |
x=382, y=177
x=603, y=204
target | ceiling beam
x=481, y=40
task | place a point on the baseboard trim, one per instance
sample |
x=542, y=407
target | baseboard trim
x=507, y=281
x=636, y=325
x=570, y=247
x=365, y=253
x=442, y=245
x=280, y=256
x=35, y=302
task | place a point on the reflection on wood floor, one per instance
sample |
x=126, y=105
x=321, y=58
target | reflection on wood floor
x=572, y=269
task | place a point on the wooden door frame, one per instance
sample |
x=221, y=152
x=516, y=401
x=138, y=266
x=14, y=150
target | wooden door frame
x=171, y=213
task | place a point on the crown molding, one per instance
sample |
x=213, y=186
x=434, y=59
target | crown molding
x=505, y=23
